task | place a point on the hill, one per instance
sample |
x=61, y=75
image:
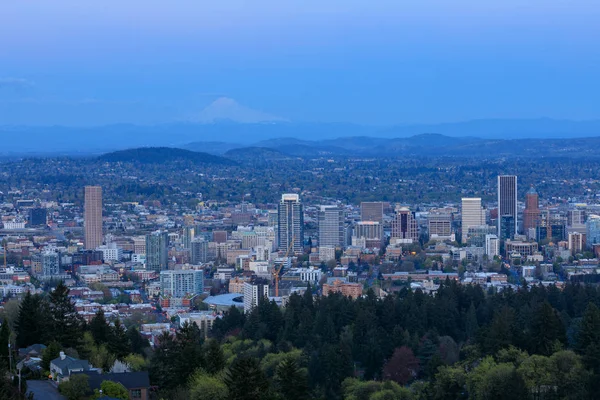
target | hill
x=158, y=155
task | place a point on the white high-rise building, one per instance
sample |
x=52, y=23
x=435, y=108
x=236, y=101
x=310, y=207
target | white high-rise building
x=110, y=252
x=472, y=215
x=291, y=224
x=254, y=291
x=492, y=246
x=182, y=282
x=331, y=226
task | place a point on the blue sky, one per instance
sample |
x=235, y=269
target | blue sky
x=378, y=62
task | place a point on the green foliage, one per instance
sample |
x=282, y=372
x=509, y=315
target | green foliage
x=66, y=324
x=215, y=358
x=51, y=352
x=4, y=342
x=135, y=362
x=291, y=380
x=76, y=388
x=112, y=389
x=354, y=389
x=203, y=386
x=245, y=380
x=31, y=324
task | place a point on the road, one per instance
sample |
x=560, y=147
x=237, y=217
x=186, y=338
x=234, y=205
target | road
x=44, y=390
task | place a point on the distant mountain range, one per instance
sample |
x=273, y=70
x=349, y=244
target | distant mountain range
x=158, y=155
x=296, y=138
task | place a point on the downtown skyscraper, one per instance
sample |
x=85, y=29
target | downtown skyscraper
x=331, y=226
x=157, y=251
x=531, y=214
x=472, y=215
x=507, y=206
x=290, y=229
x=93, y=217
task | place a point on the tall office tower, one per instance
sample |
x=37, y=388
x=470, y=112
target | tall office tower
x=157, y=251
x=371, y=211
x=577, y=242
x=492, y=246
x=93, y=217
x=181, y=282
x=593, y=230
x=507, y=206
x=576, y=220
x=331, y=226
x=291, y=224
x=188, y=235
x=404, y=225
x=38, y=217
x=199, y=251
x=50, y=263
x=371, y=232
x=531, y=214
x=255, y=291
x=472, y=215
x=439, y=224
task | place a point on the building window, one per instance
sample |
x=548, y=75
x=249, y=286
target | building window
x=136, y=393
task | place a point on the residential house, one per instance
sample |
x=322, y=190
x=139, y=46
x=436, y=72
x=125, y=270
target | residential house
x=62, y=367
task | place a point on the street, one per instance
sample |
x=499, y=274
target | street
x=44, y=390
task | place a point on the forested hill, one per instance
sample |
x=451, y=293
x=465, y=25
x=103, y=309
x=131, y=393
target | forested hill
x=157, y=155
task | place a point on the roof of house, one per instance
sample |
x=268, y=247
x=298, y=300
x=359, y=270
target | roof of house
x=71, y=363
x=131, y=380
x=36, y=348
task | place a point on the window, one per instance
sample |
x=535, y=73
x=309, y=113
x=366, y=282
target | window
x=136, y=393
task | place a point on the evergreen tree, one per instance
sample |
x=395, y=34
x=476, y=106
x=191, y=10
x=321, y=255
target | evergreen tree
x=588, y=342
x=66, y=324
x=215, y=359
x=50, y=353
x=290, y=380
x=4, y=343
x=99, y=328
x=137, y=342
x=118, y=341
x=245, y=380
x=547, y=331
x=32, y=322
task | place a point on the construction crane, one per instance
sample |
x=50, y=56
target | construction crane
x=277, y=271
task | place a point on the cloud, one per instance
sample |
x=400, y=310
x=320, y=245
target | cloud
x=15, y=83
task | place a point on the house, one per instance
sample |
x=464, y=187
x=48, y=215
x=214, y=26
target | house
x=35, y=350
x=62, y=367
x=136, y=383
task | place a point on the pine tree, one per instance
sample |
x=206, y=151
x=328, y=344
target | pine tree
x=245, y=380
x=290, y=380
x=137, y=343
x=31, y=326
x=547, y=331
x=118, y=341
x=588, y=341
x=4, y=343
x=214, y=358
x=99, y=328
x=66, y=326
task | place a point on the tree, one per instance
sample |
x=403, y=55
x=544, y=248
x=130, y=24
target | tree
x=291, y=380
x=215, y=359
x=203, y=386
x=4, y=343
x=135, y=362
x=245, y=380
x=99, y=328
x=66, y=324
x=50, y=353
x=449, y=384
x=588, y=341
x=31, y=324
x=76, y=388
x=402, y=367
x=137, y=342
x=118, y=341
x=491, y=381
x=548, y=332
x=113, y=389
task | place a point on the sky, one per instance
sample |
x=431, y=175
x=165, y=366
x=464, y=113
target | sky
x=374, y=62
